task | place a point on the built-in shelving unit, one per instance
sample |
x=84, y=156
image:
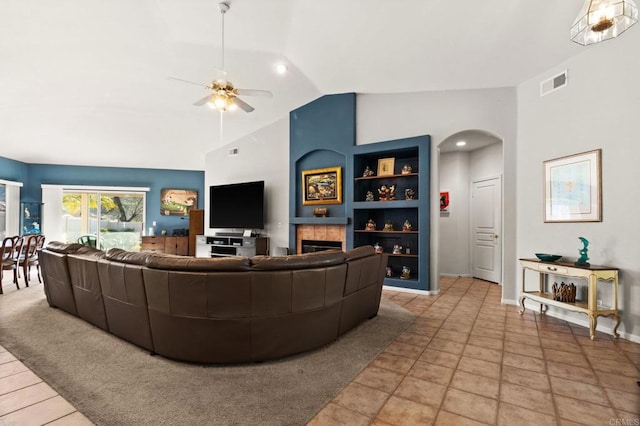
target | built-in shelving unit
x=413, y=154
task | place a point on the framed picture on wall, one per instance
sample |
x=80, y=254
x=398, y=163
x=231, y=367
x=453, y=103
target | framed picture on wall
x=573, y=188
x=444, y=202
x=322, y=186
x=178, y=201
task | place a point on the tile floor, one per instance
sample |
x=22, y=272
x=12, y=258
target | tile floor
x=466, y=360
x=25, y=399
x=469, y=360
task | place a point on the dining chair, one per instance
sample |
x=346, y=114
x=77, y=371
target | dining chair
x=29, y=257
x=18, y=245
x=8, y=263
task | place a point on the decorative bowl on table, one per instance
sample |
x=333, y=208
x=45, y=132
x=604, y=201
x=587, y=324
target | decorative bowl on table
x=548, y=257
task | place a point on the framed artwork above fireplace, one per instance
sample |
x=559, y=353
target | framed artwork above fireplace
x=322, y=186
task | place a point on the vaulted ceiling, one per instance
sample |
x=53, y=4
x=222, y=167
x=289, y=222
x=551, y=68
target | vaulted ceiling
x=85, y=81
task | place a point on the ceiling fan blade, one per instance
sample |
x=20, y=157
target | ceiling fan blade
x=202, y=101
x=253, y=92
x=187, y=81
x=242, y=104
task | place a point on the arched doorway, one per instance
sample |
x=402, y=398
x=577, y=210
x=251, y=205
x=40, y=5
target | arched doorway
x=470, y=225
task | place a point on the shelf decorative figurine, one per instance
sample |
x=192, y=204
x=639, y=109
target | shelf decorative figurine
x=584, y=259
x=378, y=248
x=397, y=249
x=369, y=196
x=406, y=226
x=409, y=194
x=388, y=226
x=367, y=172
x=320, y=212
x=387, y=193
x=406, y=169
x=406, y=273
x=371, y=225
x=389, y=271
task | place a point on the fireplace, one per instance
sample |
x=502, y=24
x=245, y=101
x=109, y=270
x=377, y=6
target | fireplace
x=332, y=236
x=311, y=246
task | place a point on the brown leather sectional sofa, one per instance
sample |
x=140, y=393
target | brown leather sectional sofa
x=226, y=310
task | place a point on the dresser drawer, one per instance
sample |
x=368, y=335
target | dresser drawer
x=552, y=269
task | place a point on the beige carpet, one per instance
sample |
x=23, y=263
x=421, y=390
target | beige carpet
x=115, y=383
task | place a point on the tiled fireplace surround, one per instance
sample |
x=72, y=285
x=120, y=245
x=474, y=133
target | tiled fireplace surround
x=320, y=233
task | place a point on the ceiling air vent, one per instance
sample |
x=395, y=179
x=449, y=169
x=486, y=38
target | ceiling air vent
x=233, y=152
x=554, y=83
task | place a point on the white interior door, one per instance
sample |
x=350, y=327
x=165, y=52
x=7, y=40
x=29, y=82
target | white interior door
x=486, y=225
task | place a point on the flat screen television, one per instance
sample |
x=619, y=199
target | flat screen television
x=237, y=205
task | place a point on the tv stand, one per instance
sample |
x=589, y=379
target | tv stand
x=224, y=245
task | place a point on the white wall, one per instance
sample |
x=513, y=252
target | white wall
x=263, y=155
x=441, y=114
x=485, y=162
x=599, y=108
x=454, y=226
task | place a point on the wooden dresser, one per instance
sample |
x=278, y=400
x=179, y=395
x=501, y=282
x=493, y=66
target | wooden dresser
x=168, y=245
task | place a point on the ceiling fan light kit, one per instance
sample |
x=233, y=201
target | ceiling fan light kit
x=601, y=20
x=224, y=96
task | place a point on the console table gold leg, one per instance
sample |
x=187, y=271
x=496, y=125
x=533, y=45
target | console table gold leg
x=615, y=329
x=593, y=322
x=521, y=311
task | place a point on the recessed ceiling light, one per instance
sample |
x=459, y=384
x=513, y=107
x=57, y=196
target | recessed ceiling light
x=281, y=68
x=461, y=143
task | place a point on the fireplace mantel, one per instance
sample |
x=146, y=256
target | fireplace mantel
x=319, y=220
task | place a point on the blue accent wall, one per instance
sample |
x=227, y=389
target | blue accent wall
x=155, y=179
x=321, y=134
x=328, y=122
x=34, y=175
x=13, y=170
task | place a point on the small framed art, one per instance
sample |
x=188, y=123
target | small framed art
x=385, y=166
x=573, y=188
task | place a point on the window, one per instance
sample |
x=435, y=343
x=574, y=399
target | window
x=9, y=208
x=110, y=218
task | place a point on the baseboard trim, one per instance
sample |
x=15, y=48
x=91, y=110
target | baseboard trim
x=442, y=274
x=561, y=314
x=411, y=290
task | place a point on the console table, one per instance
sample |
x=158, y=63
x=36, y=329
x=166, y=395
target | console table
x=591, y=273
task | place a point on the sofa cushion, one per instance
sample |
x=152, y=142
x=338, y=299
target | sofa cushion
x=298, y=261
x=197, y=264
x=63, y=248
x=360, y=252
x=90, y=252
x=133, y=258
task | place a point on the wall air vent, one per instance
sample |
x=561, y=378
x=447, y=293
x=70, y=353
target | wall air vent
x=554, y=83
x=233, y=152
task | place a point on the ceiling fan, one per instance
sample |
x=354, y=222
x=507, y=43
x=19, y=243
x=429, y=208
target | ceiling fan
x=224, y=95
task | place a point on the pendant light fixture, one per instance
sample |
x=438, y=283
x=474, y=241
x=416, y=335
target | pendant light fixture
x=601, y=20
